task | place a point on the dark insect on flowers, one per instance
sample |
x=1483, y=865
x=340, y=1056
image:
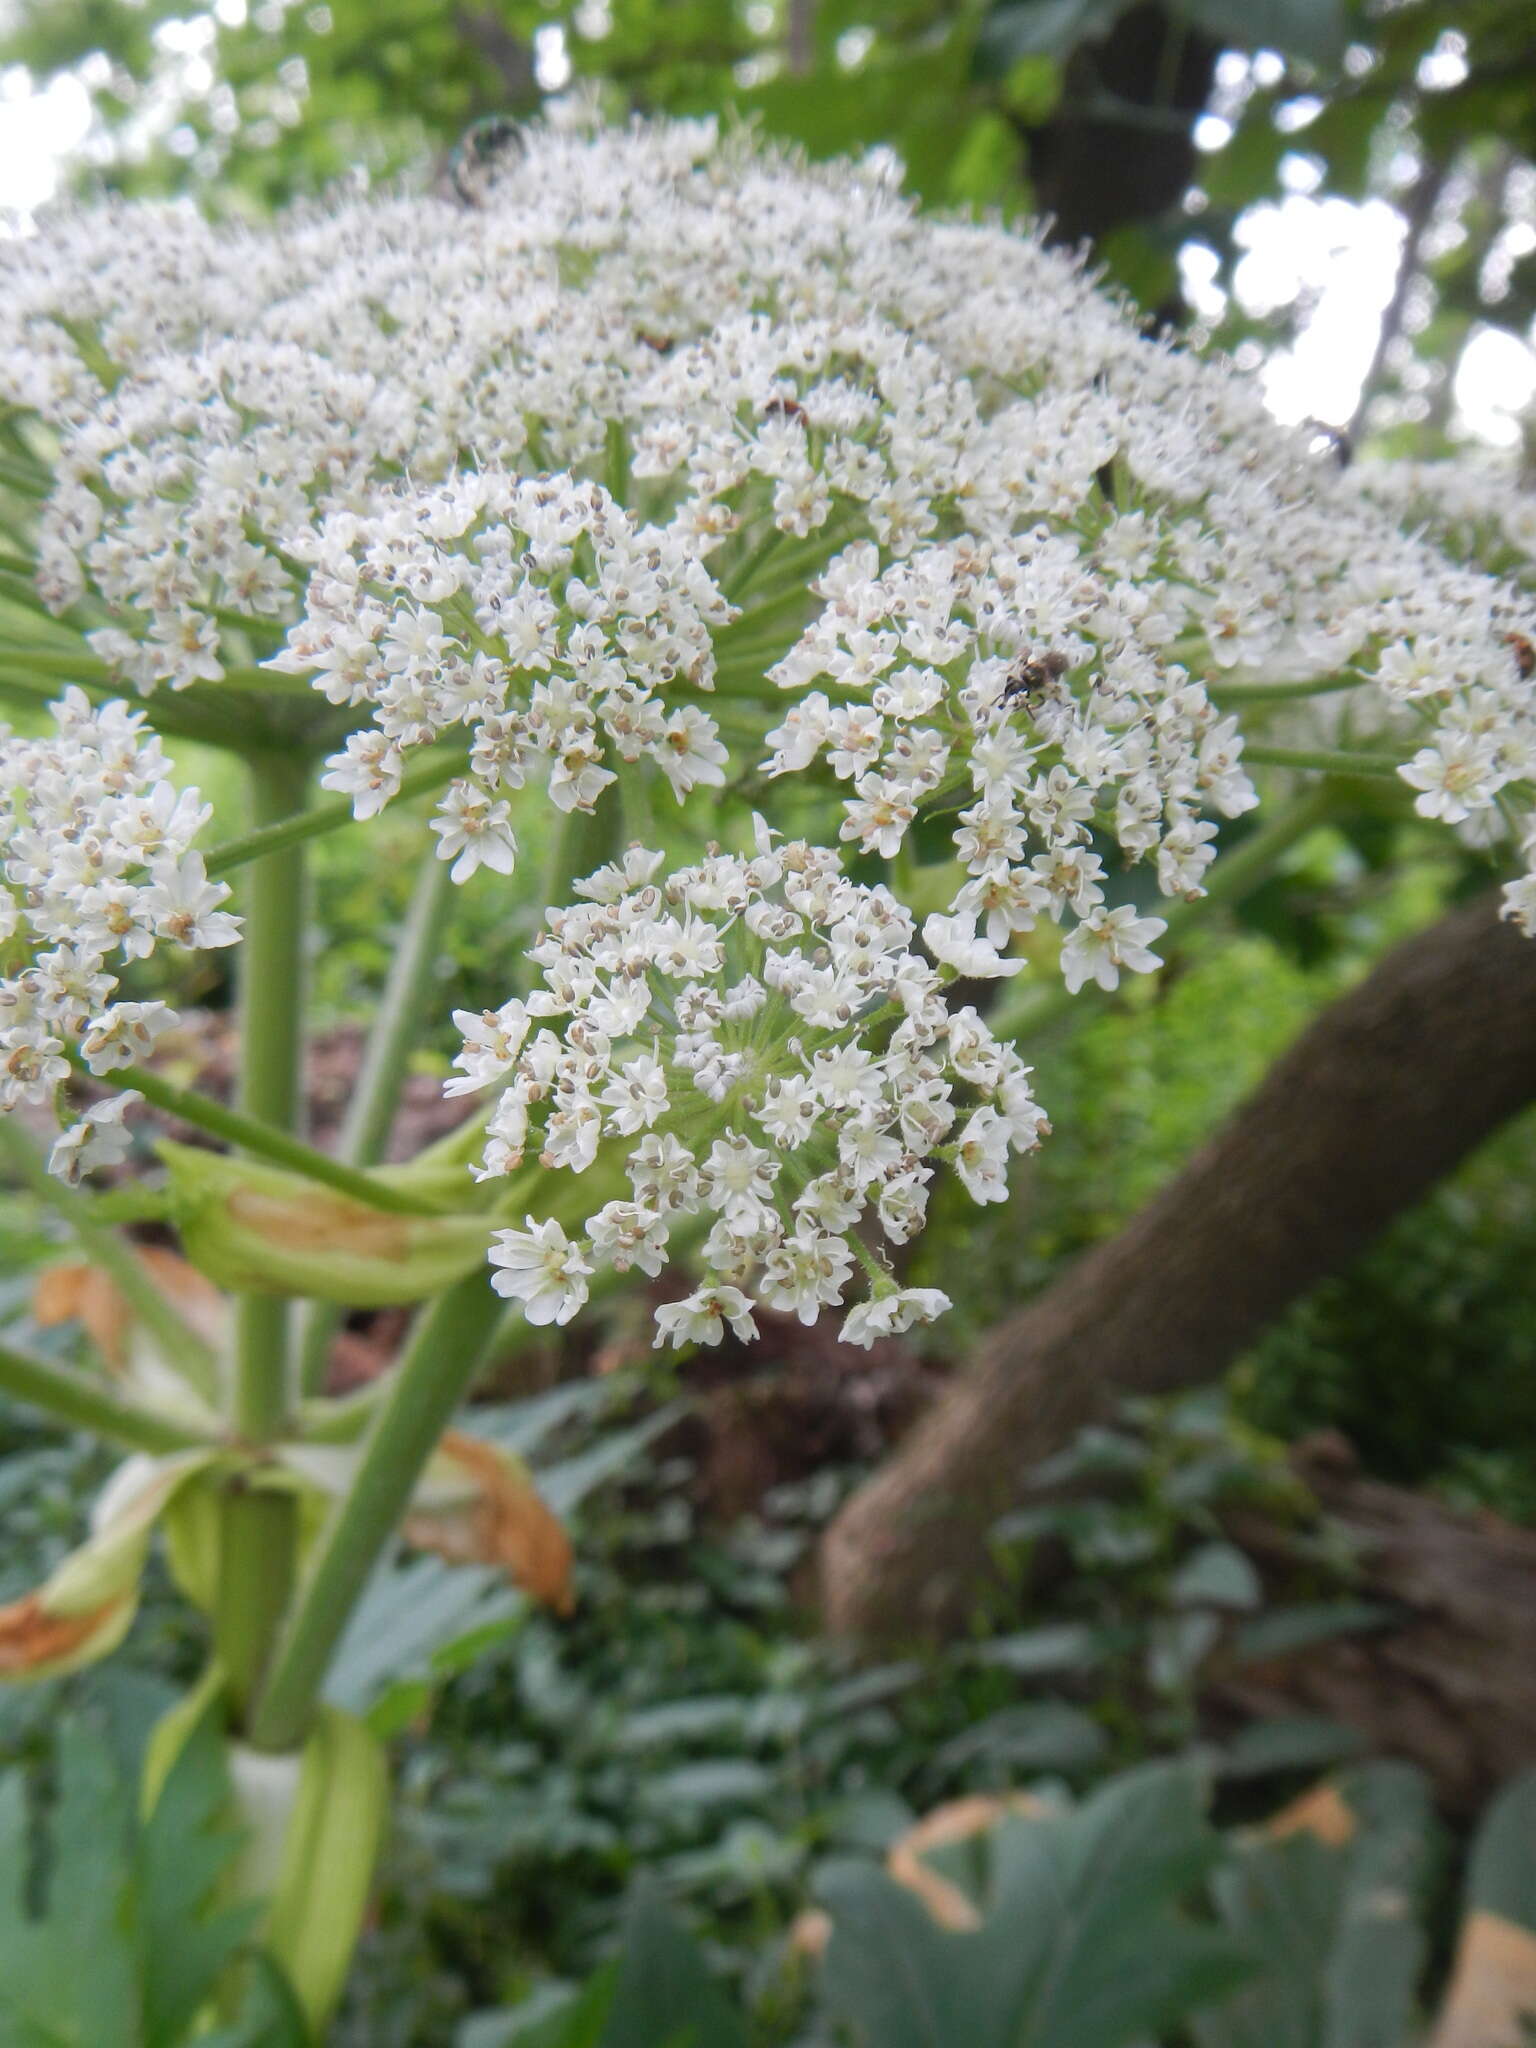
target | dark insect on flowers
x=1524, y=651
x=1033, y=674
x=780, y=408
x=473, y=160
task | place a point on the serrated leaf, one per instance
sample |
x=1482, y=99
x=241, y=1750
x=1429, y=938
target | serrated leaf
x=85, y=1909
x=185, y=1847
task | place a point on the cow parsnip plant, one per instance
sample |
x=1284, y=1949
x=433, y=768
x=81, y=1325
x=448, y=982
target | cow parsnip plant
x=877, y=610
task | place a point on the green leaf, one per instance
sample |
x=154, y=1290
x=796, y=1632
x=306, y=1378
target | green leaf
x=1284, y=1630
x=1501, y=1875
x=185, y=1847
x=719, y=1781
x=1043, y=1735
x=1215, y=1575
x=1288, y=1742
x=115, y=1942
x=1035, y=1652
x=1335, y=1928
x=270, y=2015
x=1041, y=28
x=46, y=1997
x=555, y=2017
x=664, y=1995
x=716, y=1718
x=1083, y=1943
x=410, y=1615
x=1178, y=1644
x=1314, y=30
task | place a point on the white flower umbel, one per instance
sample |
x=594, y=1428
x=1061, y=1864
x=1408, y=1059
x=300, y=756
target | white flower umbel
x=761, y=1042
x=671, y=453
x=99, y=869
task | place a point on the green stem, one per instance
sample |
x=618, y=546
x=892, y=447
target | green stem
x=271, y=1054
x=73, y=1398
x=183, y=716
x=103, y=1248
x=330, y=814
x=1321, y=760
x=1265, y=693
x=266, y=1143
x=376, y=1092
x=439, y=1362
x=258, y=1544
x=582, y=843
x=258, y=1534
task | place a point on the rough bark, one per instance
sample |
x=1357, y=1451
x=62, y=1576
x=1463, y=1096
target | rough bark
x=1382, y=1095
x=1451, y=1685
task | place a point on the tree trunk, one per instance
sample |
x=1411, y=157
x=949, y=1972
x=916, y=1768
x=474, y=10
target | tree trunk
x=1451, y=1685
x=1383, y=1093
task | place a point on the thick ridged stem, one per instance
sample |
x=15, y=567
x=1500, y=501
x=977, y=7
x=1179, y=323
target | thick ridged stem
x=376, y=1095
x=439, y=1361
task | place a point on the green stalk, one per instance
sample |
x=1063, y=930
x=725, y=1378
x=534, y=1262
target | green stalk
x=258, y=1538
x=1323, y=761
x=181, y=716
x=279, y=834
x=376, y=1094
x=397, y=1025
x=72, y=1398
x=271, y=1054
x=103, y=1248
x=448, y=1339
x=220, y=1121
x=432, y=1376
x=258, y=1534
x=1265, y=693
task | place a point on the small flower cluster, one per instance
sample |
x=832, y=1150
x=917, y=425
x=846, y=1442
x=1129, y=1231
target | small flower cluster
x=760, y=1037
x=933, y=694
x=530, y=611
x=101, y=869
